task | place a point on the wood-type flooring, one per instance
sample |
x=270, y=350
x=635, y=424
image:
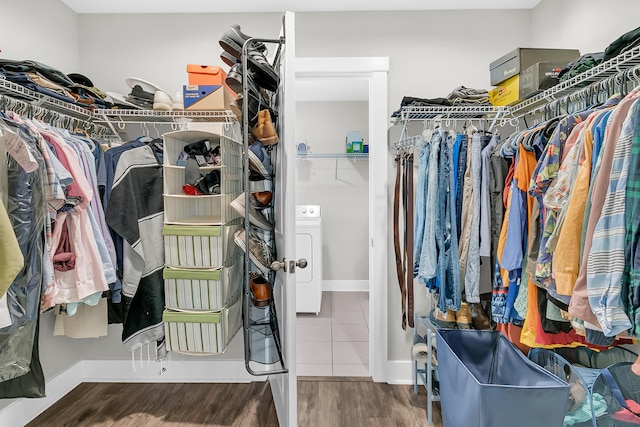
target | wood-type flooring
x=322, y=401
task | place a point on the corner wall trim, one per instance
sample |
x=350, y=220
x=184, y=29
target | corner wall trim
x=345, y=285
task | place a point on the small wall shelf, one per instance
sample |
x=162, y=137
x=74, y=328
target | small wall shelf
x=336, y=156
x=353, y=156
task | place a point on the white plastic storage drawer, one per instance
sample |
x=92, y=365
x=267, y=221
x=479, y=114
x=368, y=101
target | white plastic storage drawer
x=198, y=246
x=200, y=290
x=203, y=333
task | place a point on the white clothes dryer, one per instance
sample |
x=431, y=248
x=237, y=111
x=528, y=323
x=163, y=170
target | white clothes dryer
x=309, y=247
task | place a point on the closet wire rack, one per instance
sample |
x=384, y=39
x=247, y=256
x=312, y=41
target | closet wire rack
x=619, y=64
x=599, y=76
x=39, y=100
x=130, y=116
x=117, y=119
x=487, y=112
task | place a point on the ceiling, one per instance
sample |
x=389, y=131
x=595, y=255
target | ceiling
x=240, y=6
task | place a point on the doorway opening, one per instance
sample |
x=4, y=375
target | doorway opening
x=332, y=181
x=335, y=97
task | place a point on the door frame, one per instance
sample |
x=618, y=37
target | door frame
x=375, y=70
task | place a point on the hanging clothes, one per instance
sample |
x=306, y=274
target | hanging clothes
x=606, y=262
x=135, y=211
x=579, y=305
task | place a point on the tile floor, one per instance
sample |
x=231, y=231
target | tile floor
x=336, y=341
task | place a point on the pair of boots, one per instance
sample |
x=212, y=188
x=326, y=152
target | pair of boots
x=469, y=314
x=264, y=130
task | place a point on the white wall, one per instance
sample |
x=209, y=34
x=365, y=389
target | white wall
x=42, y=30
x=588, y=25
x=157, y=48
x=344, y=200
x=26, y=34
x=430, y=52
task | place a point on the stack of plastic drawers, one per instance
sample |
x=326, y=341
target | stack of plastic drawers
x=203, y=268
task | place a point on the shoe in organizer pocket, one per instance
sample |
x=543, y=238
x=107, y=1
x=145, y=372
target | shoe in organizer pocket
x=232, y=41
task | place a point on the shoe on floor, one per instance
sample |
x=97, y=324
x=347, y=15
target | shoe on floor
x=463, y=316
x=259, y=252
x=259, y=160
x=256, y=218
x=261, y=199
x=443, y=320
x=260, y=290
x=264, y=130
x=479, y=316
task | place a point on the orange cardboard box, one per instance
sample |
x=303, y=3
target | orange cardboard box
x=205, y=75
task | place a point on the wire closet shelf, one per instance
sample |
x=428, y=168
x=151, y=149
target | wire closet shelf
x=39, y=100
x=596, y=79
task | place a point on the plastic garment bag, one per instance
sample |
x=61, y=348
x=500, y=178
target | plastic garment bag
x=26, y=210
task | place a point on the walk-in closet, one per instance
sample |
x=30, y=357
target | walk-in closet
x=332, y=214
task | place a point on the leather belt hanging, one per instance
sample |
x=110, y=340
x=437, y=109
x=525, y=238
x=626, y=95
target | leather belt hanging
x=409, y=235
x=396, y=238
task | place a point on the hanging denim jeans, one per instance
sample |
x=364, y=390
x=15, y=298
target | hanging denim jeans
x=420, y=205
x=449, y=262
x=427, y=270
x=472, y=271
x=461, y=168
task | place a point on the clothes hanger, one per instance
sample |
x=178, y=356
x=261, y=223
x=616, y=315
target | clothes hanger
x=427, y=131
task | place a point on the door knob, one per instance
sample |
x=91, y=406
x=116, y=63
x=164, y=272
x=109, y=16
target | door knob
x=291, y=265
x=277, y=265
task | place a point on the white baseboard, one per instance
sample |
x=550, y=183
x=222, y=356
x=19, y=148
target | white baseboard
x=400, y=372
x=345, y=285
x=175, y=371
x=23, y=411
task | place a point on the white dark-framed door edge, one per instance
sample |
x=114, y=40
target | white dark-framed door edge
x=375, y=70
x=284, y=386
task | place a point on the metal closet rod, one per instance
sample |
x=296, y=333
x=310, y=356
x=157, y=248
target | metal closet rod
x=55, y=118
x=416, y=141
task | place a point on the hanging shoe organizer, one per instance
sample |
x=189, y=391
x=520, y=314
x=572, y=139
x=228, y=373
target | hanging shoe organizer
x=262, y=344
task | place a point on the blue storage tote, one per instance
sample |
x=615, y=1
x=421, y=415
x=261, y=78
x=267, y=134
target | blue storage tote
x=485, y=381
